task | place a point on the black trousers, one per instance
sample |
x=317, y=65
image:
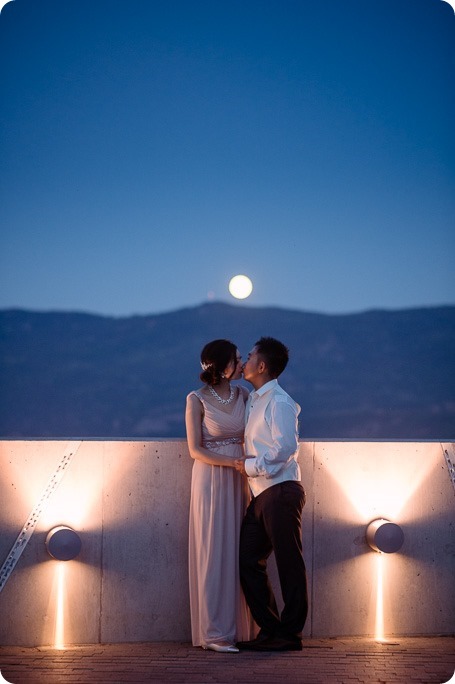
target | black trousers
x=273, y=522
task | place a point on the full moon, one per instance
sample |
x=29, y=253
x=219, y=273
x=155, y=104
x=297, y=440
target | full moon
x=240, y=286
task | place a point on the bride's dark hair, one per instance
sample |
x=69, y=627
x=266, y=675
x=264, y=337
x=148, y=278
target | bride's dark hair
x=215, y=357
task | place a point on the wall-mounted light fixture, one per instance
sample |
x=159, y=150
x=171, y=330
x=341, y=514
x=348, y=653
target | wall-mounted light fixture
x=63, y=543
x=383, y=535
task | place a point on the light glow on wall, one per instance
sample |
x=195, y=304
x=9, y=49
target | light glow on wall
x=59, y=632
x=363, y=482
x=379, y=620
x=77, y=503
x=378, y=488
x=73, y=504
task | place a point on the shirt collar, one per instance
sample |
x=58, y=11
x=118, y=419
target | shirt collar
x=265, y=388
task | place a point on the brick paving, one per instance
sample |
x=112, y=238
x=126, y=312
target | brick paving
x=417, y=660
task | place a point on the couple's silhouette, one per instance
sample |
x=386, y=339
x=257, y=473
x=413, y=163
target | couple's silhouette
x=246, y=501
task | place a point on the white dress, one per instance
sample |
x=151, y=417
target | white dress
x=219, y=497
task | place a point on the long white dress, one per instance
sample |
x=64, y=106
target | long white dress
x=219, y=497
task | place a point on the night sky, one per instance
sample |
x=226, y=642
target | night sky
x=152, y=149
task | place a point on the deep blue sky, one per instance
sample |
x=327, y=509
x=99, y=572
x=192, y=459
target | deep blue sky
x=152, y=149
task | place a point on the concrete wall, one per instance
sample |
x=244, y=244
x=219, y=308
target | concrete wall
x=129, y=502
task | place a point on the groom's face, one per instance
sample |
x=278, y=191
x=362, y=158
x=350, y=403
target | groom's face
x=251, y=367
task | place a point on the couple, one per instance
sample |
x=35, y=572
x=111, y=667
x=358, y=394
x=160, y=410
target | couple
x=245, y=502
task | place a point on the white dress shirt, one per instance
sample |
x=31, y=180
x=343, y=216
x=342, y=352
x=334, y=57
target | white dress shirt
x=271, y=437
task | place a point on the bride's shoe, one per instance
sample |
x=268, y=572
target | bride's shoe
x=221, y=648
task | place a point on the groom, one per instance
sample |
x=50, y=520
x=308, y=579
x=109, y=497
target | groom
x=273, y=518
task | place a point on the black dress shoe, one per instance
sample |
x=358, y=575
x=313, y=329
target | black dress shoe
x=251, y=645
x=278, y=643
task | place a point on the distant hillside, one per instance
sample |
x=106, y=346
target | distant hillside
x=374, y=375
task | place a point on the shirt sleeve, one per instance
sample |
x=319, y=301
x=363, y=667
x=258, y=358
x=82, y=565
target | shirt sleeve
x=281, y=418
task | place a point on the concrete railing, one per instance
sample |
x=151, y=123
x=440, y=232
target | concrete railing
x=129, y=500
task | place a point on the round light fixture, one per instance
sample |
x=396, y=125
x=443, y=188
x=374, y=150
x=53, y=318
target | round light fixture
x=383, y=535
x=63, y=543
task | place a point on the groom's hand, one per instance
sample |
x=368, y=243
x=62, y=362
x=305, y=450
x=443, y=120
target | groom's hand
x=239, y=465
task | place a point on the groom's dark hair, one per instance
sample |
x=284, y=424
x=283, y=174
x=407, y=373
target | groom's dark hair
x=274, y=354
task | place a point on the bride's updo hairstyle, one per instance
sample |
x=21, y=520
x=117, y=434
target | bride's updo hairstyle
x=215, y=357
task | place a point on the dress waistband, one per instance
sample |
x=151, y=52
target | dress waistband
x=213, y=443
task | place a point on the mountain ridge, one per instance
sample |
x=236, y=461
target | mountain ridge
x=376, y=374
